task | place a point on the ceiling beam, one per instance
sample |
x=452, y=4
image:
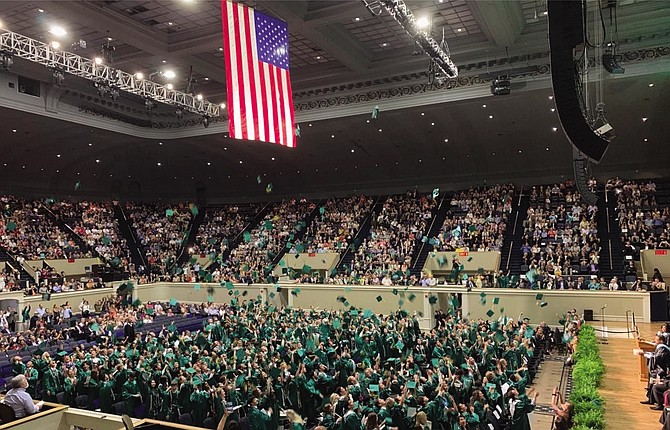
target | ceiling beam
x=331, y=38
x=109, y=22
x=501, y=21
x=336, y=12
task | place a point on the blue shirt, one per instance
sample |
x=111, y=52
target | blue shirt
x=21, y=402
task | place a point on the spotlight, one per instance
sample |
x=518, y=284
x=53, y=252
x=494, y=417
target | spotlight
x=205, y=121
x=55, y=44
x=57, y=77
x=169, y=74
x=57, y=31
x=169, y=86
x=223, y=106
x=199, y=97
x=6, y=59
x=500, y=86
x=423, y=22
x=139, y=76
x=98, y=60
x=611, y=64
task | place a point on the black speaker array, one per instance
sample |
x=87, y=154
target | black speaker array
x=566, y=32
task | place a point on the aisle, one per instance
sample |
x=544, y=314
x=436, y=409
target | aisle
x=622, y=389
x=546, y=379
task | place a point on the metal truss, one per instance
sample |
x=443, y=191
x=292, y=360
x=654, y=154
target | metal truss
x=399, y=10
x=58, y=60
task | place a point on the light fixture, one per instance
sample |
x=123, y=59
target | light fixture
x=446, y=140
x=170, y=23
x=646, y=140
x=422, y=22
x=384, y=45
x=484, y=106
x=169, y=74
x=553, y=109
x=490, y=116
x=57, y=31
x=199, y=97
x=501, y=86
x=57, y=77
x=179, y=113
x=149, y=104
x=40, y=10
x=309, y=125
x=220, y=49
x=114, y=93
x=352, y=151
x=380, y=130
x=432, y=123
x=644, y=119
x=459, y=30
x=169, y=86
x=58, y=155
x=318, y=57
x=55, y=44
x=651, y=85
x=423, y=113
x=547, y=148
x=551, y=97
x=6, y=59
x=273, y=158
x=611, y=64
x=159, y=164
x=139, y=76
x=97, y=161
x=554, y=128
x=205, y=121
x=332, y=136
x=107, y=52
x=240, y=161
x=14, y=131
x=98, y=60
x=357, y=19
x=209, y=164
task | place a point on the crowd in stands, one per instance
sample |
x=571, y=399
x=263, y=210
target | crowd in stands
x=250, y=260
x=29, y=233
x=477, y=220
x=644, y=224
x=336, y=225
x=96, y=224
x=560, y=232
x=220, y=227
x=337, y=369
x=161, y=229
x=385, y=257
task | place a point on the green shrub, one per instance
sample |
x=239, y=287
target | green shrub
x=587, y=375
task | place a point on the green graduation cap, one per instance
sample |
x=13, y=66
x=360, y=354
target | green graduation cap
x=496, y=300
x=172, y=328
x=367, y=313
x=295, y=291
x=379, y=298
x=489, y=385
x=62, y=353
x=435, y=362
x=272, y=295
x=247, y=236
x=341, y=299
x=399, y=345
x=469, y=259
x=229, y=285
x=306, y=268
x=490, y=313
x=502, y=310
x=347, y=289
x=173, y=302
x=374, y=388
x=401, y=302
x=411, y=297
x=169, y=212
x=190, y=370
x=268, y=225
x=395, y=291
x=346, y=303
x=411, y=385
x=299, y=247
x=432, y=300
x=197, y=287
x=543, y=304
x=539, y=296
x=353, y=312
x=282, y=263
x=337, y=324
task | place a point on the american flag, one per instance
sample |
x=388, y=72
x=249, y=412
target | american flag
x=260, y=102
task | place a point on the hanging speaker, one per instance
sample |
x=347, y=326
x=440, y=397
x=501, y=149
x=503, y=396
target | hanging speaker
x=566, y=32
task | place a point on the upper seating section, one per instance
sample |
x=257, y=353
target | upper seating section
x=29, y=233
x=161, y=229
x=561, y=232
x=96, y=224
x=643, y=222
x=386, y=255
x=477, y=220
x=221, y=226
x=248, y=262
x=336, y=225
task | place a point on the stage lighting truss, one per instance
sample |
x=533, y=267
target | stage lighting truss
x=42, y=53
x=439, y=56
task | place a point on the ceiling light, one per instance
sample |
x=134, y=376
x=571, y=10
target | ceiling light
x=206, y=78
x=490, y=116
x=160, y=143
x=98, y=60
x=494, y=154
x=380, y=130
x=545, y=13
x=163, y=61
x=357, y=19
x=57, y=31
x=368, y=121
x=553, y=109
x=55, y=45
x=551, y=97
x=240, y=161
x=422, y=114
x=169, y=74
x=645, y=139
x=554, y=128
x=90, y=144
x=209, y=164
x=109, y=39
x=309, y=125
x=384, y=45
x=273, y=158
x=547, y=148
x=446, y=140
x=422, y=22
x=225, y=148
x=40, y=10
x=222, y=105
x=318, y=57
x=170, y=23
x=332, y=136
x=352, y=151
x=644, y=119
x=14, y=131
x=139, y=76
x=519, y=151
x=483, y=106
x=97, y=161
x=58, y=155
x=459, y=30
x=432, y=123
x=199, y=97
x=169, y=86
x=159, y=164
x=220, y=49
x=651, y=85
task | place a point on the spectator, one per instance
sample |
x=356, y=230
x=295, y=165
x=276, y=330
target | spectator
x=19, y=400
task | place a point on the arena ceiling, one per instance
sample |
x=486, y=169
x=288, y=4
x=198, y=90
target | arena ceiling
x=337, y=48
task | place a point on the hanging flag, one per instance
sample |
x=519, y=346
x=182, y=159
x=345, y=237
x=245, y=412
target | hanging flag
x=256, y=51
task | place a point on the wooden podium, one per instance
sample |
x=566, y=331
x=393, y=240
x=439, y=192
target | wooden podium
x=645, y=346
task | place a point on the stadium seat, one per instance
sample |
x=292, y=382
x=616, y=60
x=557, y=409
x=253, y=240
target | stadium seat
x=186, y=419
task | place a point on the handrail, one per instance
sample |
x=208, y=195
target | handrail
x=346, y=251
x=432, y=223
x=609, y=243
x=132, y=234
x=509, y=254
